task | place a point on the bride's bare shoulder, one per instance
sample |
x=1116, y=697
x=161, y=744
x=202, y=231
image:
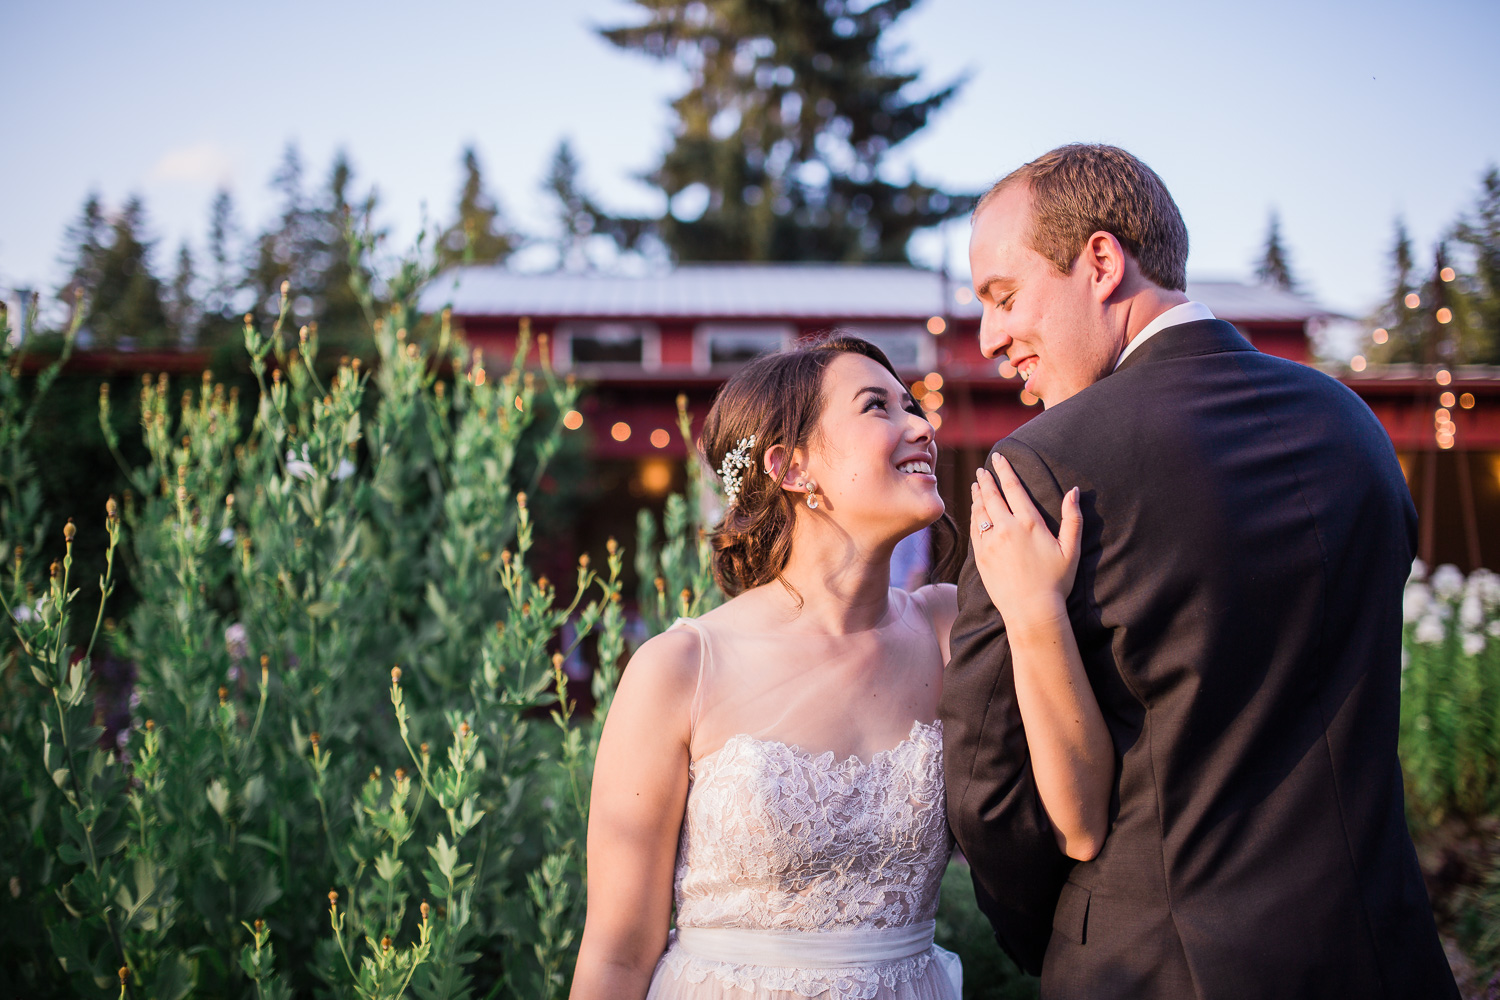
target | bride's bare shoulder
x=664, y=669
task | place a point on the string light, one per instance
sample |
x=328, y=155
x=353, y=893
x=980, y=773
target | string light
x=1466, y=401
x=1445, y=315
x=1028, y=398
x=1446, y=399
x=620, y=431
x=935, y=419
x=572, y=420
x=933, y=381
x=1447, y=274
x=1444, y=376
x=1412, y=300
x=660, y=438
x=1380, y=336
x=918, y=390
x=963, y=296
x=1357, y=363
x=936, y=325
x=1007, y=370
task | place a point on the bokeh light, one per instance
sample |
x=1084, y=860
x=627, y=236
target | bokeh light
x=572, y=420
x=936, y=325
x=620, y=431
x=660, y=438
x=1357, y=363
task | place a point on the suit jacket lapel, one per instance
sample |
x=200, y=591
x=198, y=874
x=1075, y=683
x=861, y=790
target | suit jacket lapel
x=1186, y=340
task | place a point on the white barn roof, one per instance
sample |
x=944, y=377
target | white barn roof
x=813, y=291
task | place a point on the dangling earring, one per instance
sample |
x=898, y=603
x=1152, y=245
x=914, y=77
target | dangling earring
x=812, y=496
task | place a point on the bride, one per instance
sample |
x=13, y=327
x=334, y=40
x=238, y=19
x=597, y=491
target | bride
x=770, y=774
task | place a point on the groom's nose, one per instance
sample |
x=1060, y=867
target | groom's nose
x=993, y=340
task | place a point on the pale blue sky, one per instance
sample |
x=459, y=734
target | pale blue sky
x=1340, y=115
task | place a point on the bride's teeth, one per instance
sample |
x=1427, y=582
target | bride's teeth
x=910, y=467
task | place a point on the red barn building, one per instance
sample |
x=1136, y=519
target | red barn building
x=640, y=341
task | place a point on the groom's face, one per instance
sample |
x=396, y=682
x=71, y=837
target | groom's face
x=1049, y=325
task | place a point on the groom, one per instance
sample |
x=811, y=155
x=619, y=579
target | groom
x=1247, y=534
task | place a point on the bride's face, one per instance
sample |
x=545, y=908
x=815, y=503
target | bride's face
x=874, y=454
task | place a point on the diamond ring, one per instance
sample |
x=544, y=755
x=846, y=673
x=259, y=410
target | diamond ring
x=984, y=526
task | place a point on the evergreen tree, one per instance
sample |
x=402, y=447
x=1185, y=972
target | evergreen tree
x=183, y=307
x=84, y=244
x=782, y=134
x=1274, y=268
x=579, y=216
x=1478, y=284
x=309, y=248
x=126, y=307
x=219, y=320
x=480, y=234
x=1402, y=323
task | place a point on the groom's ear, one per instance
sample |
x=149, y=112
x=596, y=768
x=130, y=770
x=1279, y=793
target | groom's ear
x=1105, y=263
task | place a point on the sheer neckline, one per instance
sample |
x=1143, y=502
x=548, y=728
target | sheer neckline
x=826, y=757
x=895, y=613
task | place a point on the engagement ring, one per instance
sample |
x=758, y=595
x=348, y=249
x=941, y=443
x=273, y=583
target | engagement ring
x=984, y=526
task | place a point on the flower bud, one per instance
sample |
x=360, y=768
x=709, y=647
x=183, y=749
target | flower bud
x=506, y=557
x=557, y=661
x=542, y=583
x=463, y=729
x=385, y=943
x=229, y=500
x=260, y=925
x=70, y=530
x=124, y=974
x=286, y=287
x=583, y=561
x=302, y=335
x=313, y=738
x=611, y=546
x=150, y=725
x=223, y=696
x=276, y=376
x=425, y=909
x=521, y=500
x=56, y=569
x=400, y=774
x=396, y=675
x=249, y=320
x=333, y=897
x=661, y=585
x=424, y=750
x=111, y=509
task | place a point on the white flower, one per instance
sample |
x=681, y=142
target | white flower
x=1494, y=628
x=1473, y=643
x=1429, y=630
x=1448, y=581
x=344, y=471
x=236, y=641
x=1485, y=584
x=299, y=468
x=25, y=614
x=1471, y=611
x=1415, y=602
x=226, y=536
x=1418, y=571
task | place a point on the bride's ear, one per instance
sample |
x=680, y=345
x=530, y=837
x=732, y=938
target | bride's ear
x=793, y=461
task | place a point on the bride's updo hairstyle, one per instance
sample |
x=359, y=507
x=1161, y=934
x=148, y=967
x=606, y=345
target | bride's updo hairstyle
x=778, y=399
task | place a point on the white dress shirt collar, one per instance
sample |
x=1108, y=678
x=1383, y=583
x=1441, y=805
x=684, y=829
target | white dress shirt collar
x=1185, y=312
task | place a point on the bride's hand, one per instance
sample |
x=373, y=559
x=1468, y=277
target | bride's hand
x=1027, y=572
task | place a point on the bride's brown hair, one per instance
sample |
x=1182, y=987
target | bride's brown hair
x=778, y=398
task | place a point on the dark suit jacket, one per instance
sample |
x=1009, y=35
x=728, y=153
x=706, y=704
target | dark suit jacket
x=1247, y=534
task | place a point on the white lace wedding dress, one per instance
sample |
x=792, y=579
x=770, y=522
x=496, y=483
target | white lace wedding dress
x=802, y=872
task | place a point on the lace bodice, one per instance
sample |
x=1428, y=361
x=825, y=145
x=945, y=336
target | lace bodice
x=779, y=839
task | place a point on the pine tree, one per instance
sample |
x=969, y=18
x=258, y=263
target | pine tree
x=1478, y=283
x=1274, y=268
x=781, y=136
x=183, y=308
x=480, y=234
x=126, y=308
x=84, y=242
x=1401, y=322
x=219, y=321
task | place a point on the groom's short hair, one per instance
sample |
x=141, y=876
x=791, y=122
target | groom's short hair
x=1081, y=189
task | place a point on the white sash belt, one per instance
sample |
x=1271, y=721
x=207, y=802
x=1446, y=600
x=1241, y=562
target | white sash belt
x=839, y=949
